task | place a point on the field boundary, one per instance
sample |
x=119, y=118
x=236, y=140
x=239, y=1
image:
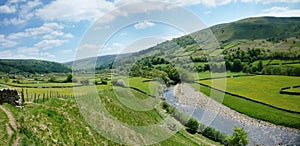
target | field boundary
x=234, y=76
x=243, y=97
x=19, y=86
x=283, y=91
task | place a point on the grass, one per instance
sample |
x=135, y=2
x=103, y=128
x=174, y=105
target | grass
x=59, y=122
x=137, y=82
x=56, y=122
x=2, y=86
x=205, y=75
x=253, y=109
x=264, y=89
x=4, y=137
x=280, y=62
x=293, y=90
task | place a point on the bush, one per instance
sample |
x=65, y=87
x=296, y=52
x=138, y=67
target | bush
x=192, y=124
x=165, y=105
x=239, y=137
x=212, y=134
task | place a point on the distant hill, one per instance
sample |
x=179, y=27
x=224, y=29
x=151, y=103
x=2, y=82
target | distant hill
x=101, y=61
x=32, y=66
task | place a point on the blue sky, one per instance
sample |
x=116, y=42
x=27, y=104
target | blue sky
x=57, y=30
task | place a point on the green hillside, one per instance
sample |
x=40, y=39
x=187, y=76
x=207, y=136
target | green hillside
x=273, y=34
x=32, y=66
x=258, y=28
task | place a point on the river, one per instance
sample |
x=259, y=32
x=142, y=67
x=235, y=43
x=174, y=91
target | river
x=257, y=134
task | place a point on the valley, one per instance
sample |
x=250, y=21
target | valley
x=243, y=76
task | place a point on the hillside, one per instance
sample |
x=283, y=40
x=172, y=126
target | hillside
x=31, y=66
x=274, y=34
x=258, y=28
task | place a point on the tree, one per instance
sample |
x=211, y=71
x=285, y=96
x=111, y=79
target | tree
x=69, y=78
x=237, y=65
x=260, y=66
x=192, y=124
x=239, y=137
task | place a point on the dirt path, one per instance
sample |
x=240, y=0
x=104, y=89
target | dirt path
x=13, y=123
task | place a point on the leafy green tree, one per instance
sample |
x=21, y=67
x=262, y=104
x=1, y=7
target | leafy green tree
x=260, y=66
x=6, y=79
x=192, y=124
x=237, y=65
x=69, y=78
x=239, y=137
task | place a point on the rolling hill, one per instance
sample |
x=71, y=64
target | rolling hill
x=270, y=33
x=32, y=66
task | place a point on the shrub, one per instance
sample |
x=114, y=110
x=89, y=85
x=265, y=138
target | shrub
x=192, y=124
x=239, y=137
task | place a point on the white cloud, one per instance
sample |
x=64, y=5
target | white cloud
x=208, y=3
x=28, y=51
x=48, y=44
x=144, y=25
x=69, y=35
x=271, y=1
x=280, y=12
x=5, y=43
x=6, y=54
x=207, y=12
x=88, y=50
x=117, y=45
x=75, y=10
x=25, y=12
x=66, y=51
x=123, y=34
x=46, y=28
x=48, y=55
x=7, y=9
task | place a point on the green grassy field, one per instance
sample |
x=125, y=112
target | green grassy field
x=253, y=109
x=204, y=75
x=59, y=122
x=4, y=137
x=264, y=89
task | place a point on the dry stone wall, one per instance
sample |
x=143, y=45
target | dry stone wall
x=10, y=96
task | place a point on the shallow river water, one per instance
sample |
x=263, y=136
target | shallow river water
x=256, y=135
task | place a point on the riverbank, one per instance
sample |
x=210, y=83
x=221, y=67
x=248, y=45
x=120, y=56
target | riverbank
x=188, y=96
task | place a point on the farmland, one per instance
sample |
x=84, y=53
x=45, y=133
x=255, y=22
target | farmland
x=264, y=89
x=58, y=120
x=267, y=94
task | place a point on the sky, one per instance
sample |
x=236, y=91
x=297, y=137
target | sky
x=63, y=30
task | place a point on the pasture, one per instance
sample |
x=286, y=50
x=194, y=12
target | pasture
x=61, y=116
x=263, y=89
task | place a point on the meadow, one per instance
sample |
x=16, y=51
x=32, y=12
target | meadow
x=263, y=89
x=251, y=108
x=57, y=121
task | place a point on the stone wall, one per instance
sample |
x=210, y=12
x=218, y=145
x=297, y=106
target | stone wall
x=10, y=96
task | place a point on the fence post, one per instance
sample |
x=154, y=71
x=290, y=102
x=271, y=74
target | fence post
x=38, y=100
x=22, y=96
x=34, y=100
x=27, y=95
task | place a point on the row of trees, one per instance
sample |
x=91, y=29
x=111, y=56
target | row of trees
x=239, y=137
x=250, y=61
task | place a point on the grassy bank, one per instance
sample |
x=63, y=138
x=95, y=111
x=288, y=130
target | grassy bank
x=253, y=109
